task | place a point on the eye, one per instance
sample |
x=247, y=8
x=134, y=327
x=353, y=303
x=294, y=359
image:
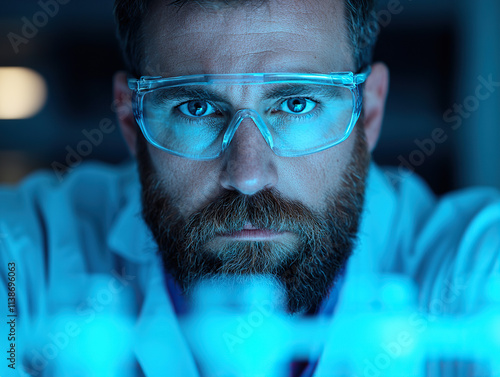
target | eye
x=196, y=108
x=297, y=105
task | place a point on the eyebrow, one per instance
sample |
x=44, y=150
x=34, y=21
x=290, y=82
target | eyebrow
x=180, y=92
x=276, y=91
x=289, y=90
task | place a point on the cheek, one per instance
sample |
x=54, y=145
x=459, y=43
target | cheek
x=311, y=179
x=189, y=183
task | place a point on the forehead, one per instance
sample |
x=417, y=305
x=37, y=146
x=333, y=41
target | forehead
x=277, y=36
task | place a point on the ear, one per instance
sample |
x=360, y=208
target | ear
x=123, y=105
x=374, y=97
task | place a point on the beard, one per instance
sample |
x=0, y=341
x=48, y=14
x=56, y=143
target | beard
x=306, y=268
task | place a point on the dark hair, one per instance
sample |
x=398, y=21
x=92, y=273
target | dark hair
x=129, y=14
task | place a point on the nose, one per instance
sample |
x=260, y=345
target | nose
x=249, y=164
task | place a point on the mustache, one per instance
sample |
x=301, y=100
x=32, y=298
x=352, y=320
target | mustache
x=267, y=209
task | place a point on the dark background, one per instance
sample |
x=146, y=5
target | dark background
x=436, y=51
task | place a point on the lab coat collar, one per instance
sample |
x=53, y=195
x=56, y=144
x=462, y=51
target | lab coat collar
x=159, y=345
x=375, y=233
x=129, y=235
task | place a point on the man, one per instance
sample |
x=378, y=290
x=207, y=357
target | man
x=248, y=186
x=239, y=173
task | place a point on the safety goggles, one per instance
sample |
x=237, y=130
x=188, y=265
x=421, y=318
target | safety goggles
x=297, y=114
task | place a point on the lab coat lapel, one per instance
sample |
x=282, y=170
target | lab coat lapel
x=158, y=344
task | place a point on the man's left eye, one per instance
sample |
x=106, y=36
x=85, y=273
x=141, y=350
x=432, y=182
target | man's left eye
x=196, y=108
x=297, y=105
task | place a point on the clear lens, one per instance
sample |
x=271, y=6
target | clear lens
x=325, y=124
x=186, y=126
x=193, y=120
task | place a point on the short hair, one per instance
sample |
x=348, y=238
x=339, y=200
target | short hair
x=360, y=17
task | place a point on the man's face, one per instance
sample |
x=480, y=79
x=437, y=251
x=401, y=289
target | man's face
x=204, y=214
